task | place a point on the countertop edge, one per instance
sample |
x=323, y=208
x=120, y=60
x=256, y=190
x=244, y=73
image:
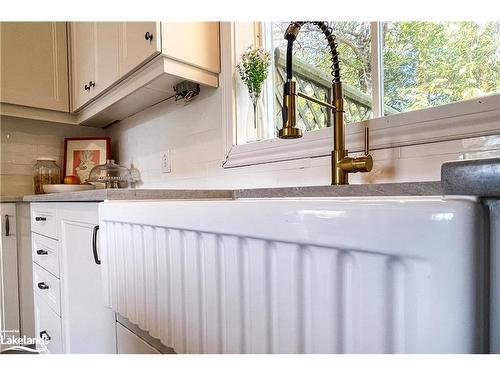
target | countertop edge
x=100, y=195
x=426, y=188
x=479, y=177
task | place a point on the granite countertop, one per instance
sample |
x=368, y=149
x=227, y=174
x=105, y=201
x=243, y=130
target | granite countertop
x=389, y=189
x=480, y=177
x=129, y=194
x=392, y=189
x=10, y=199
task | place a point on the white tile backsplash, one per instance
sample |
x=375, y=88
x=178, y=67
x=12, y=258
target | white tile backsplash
x=23, y=141
x=194, y=133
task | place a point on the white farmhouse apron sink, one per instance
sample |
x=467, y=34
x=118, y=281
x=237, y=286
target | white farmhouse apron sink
x=332, y=275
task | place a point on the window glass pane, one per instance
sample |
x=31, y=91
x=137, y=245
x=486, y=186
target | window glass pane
x=433, y=63
x=312, y=70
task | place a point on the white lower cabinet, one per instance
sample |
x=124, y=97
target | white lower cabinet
x=9, y=297
x=46, y=286
x=48, y=325
x=69, y=308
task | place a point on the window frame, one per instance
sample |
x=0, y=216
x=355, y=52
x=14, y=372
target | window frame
x=459, y=120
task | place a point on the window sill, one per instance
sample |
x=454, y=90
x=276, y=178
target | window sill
x=471, y=118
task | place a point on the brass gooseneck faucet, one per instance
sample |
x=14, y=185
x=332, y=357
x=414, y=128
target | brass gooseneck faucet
x=342, y=164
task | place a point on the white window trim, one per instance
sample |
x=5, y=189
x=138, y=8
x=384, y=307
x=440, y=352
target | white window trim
x=466, y=119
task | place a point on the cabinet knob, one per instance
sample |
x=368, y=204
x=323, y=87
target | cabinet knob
x=43, y=286
x=148, y=36
x=89, y=86
x=40, y=218
x=41, y=252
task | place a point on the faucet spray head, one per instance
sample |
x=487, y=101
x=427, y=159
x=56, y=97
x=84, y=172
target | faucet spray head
x=289, y=129
x=292, y=31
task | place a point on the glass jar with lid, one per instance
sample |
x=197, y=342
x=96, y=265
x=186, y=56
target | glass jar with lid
x=45, y=172
x=112, y=175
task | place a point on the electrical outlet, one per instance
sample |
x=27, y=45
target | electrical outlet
x=166, y=163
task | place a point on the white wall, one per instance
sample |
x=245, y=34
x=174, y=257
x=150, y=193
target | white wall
x=23, y=141
x=194, y=133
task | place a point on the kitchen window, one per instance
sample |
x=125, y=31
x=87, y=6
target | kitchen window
x=427, y=64
x=395, y=75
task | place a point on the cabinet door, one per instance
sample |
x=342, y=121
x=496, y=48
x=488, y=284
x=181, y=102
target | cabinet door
x=140, y=42
x=88, y=327
x=107, y=55
x=195, y=43
x=9, y=298
x=34, y=66
x=82, y=62
x=95, y=58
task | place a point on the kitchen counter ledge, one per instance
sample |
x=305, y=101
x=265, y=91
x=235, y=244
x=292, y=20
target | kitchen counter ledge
x=10, y=199
x=479, y=177
x=391, y=189
x=129, y=194
x=354, y=190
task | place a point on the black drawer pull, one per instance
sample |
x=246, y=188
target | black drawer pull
x=41, y=252
x=43, y=286
x=7, y=226
x=148, y=36
x=44, y=334
x=94, y=245
x=40, y=218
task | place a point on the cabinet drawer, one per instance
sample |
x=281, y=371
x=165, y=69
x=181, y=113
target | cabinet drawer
x=48, y=324
x=45, y=253
x=46, y=286
x=44, y=220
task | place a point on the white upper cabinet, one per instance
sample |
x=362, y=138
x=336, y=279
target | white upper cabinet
x=116, y=69
x=104, y=52
x=195, y=43
x=94, y=59
x=34, y=67
x=82, y=62
x=107, y=56
x=140, y=42
x=152, y=58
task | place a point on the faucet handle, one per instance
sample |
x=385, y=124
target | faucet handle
x=367, y=140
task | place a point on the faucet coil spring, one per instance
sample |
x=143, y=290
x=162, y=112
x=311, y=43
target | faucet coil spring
x=291, y=34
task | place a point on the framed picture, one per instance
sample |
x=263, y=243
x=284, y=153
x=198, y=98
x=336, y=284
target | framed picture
x=83, y=154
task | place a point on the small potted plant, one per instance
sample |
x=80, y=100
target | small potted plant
x=254, y=69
